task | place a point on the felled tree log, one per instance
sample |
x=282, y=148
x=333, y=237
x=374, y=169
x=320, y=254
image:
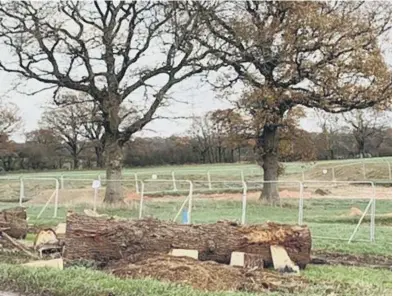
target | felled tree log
x=105, y=240
x=13, y=222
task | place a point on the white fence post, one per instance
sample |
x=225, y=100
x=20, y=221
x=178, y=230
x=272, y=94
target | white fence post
x=209, y=180
x=56, y=199
x=21, y=191
x=136, y=183
x=242, y=176
x=301, y=202
x=62, y=181
x=55, y=194
x=390, y=170
x=364, y=171
x=372, y=218
x=174, y=181
x=190, y=201
x=95, y=199
x=244, y=203
x=141, y=199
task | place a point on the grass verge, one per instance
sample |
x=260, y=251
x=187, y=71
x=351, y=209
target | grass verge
x=324, y=280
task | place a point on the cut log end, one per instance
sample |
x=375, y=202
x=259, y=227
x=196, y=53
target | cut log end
x=13, y=222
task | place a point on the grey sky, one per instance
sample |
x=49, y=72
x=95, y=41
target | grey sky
x=200, y=98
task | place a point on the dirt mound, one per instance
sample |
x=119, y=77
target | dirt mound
x=322, y=192
x=355, y=212
x=208, y=275
x=367, y=260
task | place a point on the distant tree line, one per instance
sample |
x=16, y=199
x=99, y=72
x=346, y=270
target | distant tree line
x=71, y=138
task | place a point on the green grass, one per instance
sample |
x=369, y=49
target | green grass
x=217, y=169
x=326, y=218
x=326, y=280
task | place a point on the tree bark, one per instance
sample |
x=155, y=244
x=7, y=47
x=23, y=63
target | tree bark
x=75, y=162
x=14, y=223
x=105, y=240
x=114, y=161
x=99, y=157
x=267, y=148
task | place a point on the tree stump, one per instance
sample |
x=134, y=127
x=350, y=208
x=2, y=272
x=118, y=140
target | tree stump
x=104, y=240
x=13, y=222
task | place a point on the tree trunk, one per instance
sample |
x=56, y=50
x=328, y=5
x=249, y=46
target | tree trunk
x=267, y=148
x=13, y=222
x=75, y=162
x=114, y=161
x=99, y=157
x=362, y=150
x=104, y=240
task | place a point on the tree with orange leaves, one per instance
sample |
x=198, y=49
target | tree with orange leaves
x=316, y=54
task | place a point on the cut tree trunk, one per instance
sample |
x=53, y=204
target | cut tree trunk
x=114, y=160
x=268, y=145
x=104, y=240
x=13, y=222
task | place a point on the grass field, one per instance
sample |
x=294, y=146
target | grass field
x=206, y=178
x=228, y=168
x=329, y=219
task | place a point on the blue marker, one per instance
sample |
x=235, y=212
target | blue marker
x=185, y=216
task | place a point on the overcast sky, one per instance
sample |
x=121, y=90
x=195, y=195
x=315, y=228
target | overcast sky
x=200, y=98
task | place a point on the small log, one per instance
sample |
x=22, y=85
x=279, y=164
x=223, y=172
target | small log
x=104, y=240
x=14, y=220
x=253, y=261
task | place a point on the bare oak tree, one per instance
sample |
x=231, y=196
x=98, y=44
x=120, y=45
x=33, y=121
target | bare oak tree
x=329, y=124
x=318, y=54
x=119, y=53
x=10, y=122
x=10, y=119
x=367, y=124
x=66, y=123
x=93, y=130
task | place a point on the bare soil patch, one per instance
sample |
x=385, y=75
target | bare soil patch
x=366, y=260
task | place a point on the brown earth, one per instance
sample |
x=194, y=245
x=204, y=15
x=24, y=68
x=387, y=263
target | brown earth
x=367, y=260
x=209, y=275
x=71, y=197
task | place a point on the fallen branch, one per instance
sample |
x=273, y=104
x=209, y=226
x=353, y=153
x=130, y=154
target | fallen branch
x=18, y=245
